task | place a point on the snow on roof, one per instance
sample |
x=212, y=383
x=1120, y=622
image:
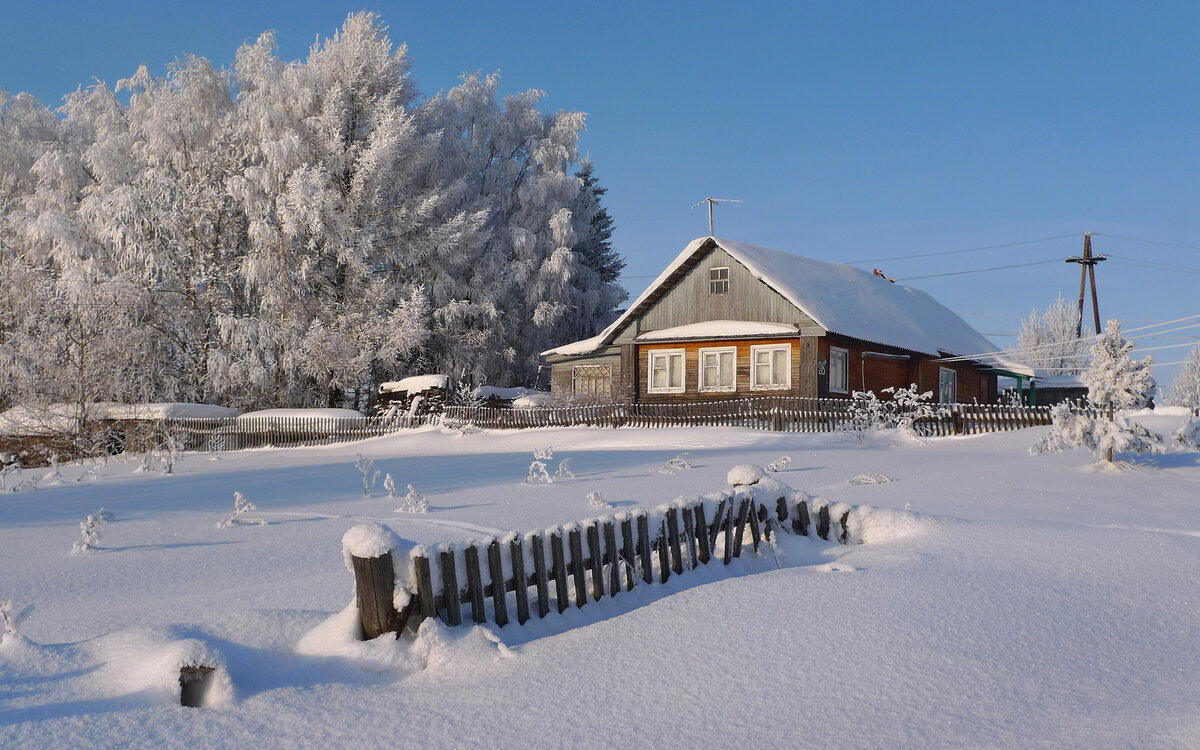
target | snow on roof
x=840, y=298
x=61, y=417
x=720, y=329
x=415, y=384
x=532, y=400
x=303, y=414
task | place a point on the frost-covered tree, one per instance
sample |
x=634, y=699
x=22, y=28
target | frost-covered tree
x=1115, y=383
x=1185, y=390
x=1048, y=342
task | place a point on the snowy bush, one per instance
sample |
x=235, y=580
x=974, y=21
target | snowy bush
x=89, y=529
x=1185, y=390
x=10, y=479
x=564, y=470
x=779, y=464
x=1189, y=434
x=1101, y=435
x=871, y=478
x=675, y=465
x=413, y=502
x=869, y=414
x=364, y=465
x=10, y=618
x=537, y=468
x=241, y=506
x=389, y=484
x=596, y=500
x=1115, y=382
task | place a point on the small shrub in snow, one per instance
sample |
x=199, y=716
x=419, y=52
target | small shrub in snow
x=537, y=469
x=1189, y=434
x=675, y=465
x=364, y=465
x=10, y=618
x=779, y=464
x=413, y=502
x=871, y=478
x=241, y=506
x=10, y=479
x=389, y=484
x=596, y=500
x=89, y=529
x=564, y=470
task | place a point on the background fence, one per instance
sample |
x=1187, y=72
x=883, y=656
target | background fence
x=587, y=561
x=784, y=414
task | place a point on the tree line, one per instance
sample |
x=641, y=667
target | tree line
x=292, y=233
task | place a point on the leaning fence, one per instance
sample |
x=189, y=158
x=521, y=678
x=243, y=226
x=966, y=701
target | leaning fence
x=545, y=572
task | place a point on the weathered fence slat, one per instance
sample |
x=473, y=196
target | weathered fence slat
x=823, y=522
x=740, y=526
x=643, y=526
x=597, y=560
x=516, y=551
x=614, y=560
x=474, y=584
x=800, y=521
x=673, y=539
x=576, y=566
x=703, y=548
x=627, y=551
x=425, y=595
x=560, y=570
x=689, y=536
x=496, y=575
x=450, y=588
x=537, y=548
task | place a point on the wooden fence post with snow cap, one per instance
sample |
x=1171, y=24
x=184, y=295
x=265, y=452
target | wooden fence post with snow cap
x=368, y=549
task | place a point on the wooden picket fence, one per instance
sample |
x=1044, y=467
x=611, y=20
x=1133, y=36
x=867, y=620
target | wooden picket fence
x=779, y=413
x=587, y=561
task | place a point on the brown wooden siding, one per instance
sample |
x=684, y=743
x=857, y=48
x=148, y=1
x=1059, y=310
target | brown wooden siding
x=803, y=375
x=689, y=300
x=870, y=373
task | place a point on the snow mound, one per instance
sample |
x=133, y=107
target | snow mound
x=871, y=478
x=869, y=525
x=146, y=661
x=744, y=474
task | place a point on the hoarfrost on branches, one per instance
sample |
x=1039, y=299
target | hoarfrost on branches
x=89, y=530
x=537, y=473
x=1047, y=341
x=1185, y=390
x=869, y=414
x=241, y=506
x=413, y=502
x=675, y=465
x=369, y=477
x=779, y=464
x=564, y=470
x=596, y=500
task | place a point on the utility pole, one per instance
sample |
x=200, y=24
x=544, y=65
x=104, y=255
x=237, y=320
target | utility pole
x=1087, y=272
x=712, y=202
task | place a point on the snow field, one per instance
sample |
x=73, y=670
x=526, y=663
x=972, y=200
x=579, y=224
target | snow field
x=1021, y=601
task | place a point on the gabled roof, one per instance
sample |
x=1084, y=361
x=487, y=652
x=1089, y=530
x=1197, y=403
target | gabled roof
x=840, y=298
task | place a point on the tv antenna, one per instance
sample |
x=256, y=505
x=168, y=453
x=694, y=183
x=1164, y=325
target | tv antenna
x=711, y=201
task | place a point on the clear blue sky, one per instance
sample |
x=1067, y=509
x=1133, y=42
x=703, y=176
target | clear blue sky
x=852, y=131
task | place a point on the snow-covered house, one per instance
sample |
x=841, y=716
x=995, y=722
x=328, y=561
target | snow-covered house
x=731, y=320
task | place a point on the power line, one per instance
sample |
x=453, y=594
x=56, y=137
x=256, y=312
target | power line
x=1149, y=242
x=966, y=250
x=979, y=270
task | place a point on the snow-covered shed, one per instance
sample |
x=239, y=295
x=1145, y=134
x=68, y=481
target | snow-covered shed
x=730, y=320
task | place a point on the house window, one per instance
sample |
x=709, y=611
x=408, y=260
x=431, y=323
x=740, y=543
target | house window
x=839, y=370
x=947, y=385
x=666, y=371
x=592, y=380
x=771, y=366
x=718, y=280
x=718, y=369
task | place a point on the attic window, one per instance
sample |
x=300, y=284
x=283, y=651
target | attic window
x=718, y=280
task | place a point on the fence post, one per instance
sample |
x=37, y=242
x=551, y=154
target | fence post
x=374, y=582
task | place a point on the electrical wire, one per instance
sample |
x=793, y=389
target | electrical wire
x=1148, y=242
x=967, y=250
x=980, y=270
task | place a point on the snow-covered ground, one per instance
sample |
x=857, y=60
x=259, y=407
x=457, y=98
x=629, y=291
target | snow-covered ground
x=1022, y=601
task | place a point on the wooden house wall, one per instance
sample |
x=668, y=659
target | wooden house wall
x=869, y=373
x=689, y=301
x=803, y=375
x=562, y=375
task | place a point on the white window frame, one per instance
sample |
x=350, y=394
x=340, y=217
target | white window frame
x=595, y=379
x=844, y=354
x=716, y=283
x=787, y=371
x=667, y=354
x=718, y=351
x=942, y=371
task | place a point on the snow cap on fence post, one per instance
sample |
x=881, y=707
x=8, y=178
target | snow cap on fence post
x=744, y=474
x=369, y=552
